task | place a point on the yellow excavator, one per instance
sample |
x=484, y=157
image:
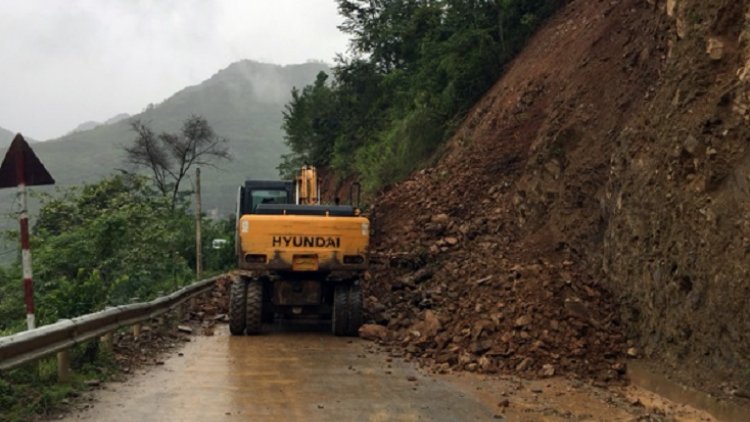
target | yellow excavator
x=298, y=258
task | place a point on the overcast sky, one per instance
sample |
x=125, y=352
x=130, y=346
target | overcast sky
x=64, y=62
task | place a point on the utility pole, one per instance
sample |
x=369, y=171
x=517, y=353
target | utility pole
x=198, y=240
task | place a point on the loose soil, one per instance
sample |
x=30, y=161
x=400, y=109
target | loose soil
x=588, y=211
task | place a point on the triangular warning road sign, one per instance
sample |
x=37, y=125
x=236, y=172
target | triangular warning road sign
x=21, y=154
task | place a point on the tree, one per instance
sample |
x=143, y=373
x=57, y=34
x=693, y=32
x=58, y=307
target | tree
x=104, y=243
x=413, y=70
x=170, y=156
x=311, y=123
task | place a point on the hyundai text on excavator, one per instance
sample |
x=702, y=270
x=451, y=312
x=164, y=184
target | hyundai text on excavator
x=297, y=257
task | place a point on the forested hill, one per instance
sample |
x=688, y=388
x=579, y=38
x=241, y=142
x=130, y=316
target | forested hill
x=412, y=72
x=6, y=137
x=242, y=102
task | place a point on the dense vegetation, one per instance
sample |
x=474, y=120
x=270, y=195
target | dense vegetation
x=124, y=238
x=415, y=68
x=106, y=243
x=99, y=245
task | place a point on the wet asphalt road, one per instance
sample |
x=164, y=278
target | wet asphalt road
x=285, y=375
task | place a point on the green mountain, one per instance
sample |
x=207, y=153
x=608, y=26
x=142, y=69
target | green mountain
x=93, y=124
x=5, y=137
x=243, y=103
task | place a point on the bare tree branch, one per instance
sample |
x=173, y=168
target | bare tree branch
x=171, y=156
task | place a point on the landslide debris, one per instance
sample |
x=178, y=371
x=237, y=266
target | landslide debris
x=605, y=174
x=490, y=261
x=466, y=300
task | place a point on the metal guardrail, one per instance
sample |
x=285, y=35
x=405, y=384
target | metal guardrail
x=29, y=346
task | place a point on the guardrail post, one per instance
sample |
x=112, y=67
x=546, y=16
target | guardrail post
x=160, y=319
x=108, y=342
x=63, y=366
x=136, y=326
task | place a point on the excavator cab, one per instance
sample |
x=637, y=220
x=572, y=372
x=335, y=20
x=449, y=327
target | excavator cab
x=298, y=258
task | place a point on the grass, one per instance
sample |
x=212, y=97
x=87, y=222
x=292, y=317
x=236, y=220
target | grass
x=33, y=390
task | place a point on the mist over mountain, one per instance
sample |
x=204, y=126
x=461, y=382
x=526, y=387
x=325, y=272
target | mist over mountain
x=92, y=124
x=242, y=103
x=117, y=118
x=85, y=126
x=6, y=137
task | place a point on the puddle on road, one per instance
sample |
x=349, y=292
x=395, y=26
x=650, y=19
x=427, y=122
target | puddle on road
x=550, y=400
x=722, y=410
x=565, y=400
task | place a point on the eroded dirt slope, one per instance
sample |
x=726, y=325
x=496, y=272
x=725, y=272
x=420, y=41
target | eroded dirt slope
x=678, y=233
x=589, y=209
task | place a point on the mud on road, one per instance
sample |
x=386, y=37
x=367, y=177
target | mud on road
x=305, y=374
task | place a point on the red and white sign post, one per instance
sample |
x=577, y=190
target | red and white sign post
x=28, y=285
x=22, y=168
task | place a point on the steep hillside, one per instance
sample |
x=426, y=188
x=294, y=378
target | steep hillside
x=85, y=126
x=92, y=124
x=242, y=102
x=677, y=238
x=589, y=209
x=6, y=137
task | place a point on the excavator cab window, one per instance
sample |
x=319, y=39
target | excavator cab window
x=256, y=192
x=267, y=196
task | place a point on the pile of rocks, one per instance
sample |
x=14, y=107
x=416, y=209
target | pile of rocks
x=465, y=295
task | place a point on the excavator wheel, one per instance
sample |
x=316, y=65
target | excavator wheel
x=237, y=297
x=254, y=309
x=340, y=317
x=355, y=310
x=347, y=310
x=268, y=311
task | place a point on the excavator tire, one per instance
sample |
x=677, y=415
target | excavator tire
x=347, y=310
x=340, y=317
x=355, y=310
x=254, y=312
x=237, y=297
x=268, y=311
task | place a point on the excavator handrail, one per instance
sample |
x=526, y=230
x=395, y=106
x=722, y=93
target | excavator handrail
x=359, y=194
x=292, y=209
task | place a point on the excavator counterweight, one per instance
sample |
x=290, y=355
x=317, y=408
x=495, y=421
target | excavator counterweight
x=298, y=258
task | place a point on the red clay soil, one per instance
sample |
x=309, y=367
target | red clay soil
x=490, y=261
x=591, y=208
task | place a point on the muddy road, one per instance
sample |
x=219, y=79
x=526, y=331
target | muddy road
x=302, y=373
